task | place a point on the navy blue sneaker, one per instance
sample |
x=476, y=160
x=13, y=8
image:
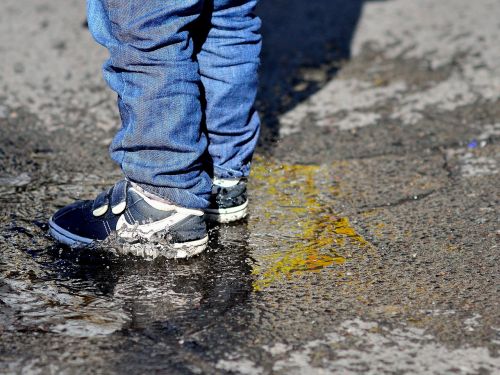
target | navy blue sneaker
x=229, y=200
x=143, y=226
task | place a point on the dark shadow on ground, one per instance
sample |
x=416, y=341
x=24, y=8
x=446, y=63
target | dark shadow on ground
x=304, y=45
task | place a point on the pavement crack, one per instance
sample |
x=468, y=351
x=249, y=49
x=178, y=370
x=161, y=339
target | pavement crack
x=408, y=199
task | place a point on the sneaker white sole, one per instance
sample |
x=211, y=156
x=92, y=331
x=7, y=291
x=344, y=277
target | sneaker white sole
x=171, y=251
x=227, y=215
x=145, y=250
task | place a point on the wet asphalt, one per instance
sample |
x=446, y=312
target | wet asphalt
x=372, y=244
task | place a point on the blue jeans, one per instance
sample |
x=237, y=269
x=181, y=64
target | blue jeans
x=185, y=72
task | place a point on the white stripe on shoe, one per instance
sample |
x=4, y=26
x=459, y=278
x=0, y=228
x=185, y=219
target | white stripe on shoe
x=227, y=215
x=225, y=182
x=126, y=230
x=66, y=237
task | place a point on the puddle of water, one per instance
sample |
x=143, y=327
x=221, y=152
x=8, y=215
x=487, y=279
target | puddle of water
x=47, y=288
x=293, y=230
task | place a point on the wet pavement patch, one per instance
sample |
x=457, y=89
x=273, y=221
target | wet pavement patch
x=297, y=230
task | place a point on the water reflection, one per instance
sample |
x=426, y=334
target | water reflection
x=78, y=293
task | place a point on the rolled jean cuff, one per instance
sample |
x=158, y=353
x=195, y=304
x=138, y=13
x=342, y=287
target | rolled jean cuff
x=180, y=197
x=222, y=172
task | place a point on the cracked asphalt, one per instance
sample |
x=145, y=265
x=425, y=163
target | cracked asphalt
x=372, y=244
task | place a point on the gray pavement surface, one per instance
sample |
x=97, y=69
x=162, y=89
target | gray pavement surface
x=372, y=245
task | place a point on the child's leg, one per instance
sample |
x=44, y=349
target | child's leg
x=151, y=67
x=228, y=61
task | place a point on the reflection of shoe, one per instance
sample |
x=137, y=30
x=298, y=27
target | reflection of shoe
x=228, y=202
x=131, y=214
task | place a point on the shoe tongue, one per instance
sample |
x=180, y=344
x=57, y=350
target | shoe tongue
x=134, y=195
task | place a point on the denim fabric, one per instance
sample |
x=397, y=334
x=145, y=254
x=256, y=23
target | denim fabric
x=185, y=72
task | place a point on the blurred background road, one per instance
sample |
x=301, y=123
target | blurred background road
x=373, y=240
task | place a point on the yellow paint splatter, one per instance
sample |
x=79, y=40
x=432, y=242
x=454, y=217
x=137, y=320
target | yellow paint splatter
x=311, y=235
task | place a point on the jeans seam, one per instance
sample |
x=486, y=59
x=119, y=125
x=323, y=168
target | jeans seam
x=124, y=83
